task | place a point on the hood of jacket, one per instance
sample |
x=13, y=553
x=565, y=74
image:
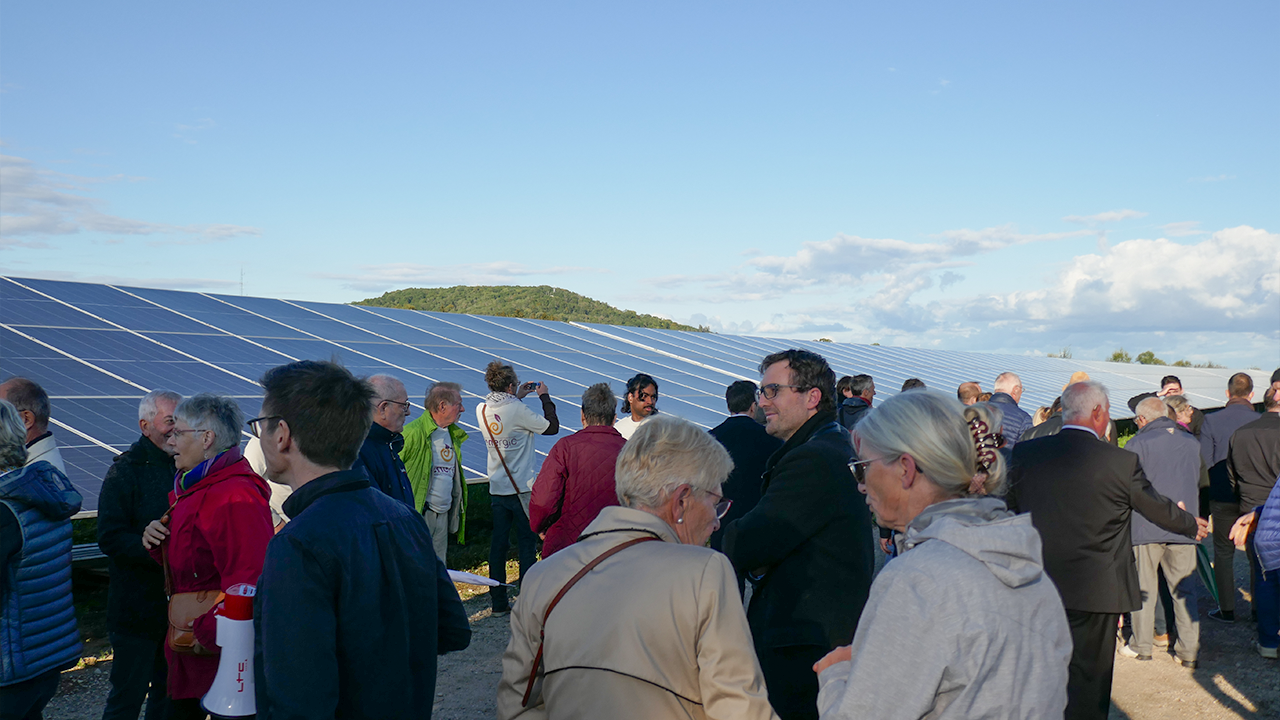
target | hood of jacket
x=43, y=487
x=983, y=528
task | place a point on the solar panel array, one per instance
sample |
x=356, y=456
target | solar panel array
x=96, y=349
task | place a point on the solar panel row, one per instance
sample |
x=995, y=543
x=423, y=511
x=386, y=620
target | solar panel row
x=97, y=349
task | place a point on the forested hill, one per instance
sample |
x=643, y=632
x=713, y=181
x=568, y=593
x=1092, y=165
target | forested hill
x=538, y=303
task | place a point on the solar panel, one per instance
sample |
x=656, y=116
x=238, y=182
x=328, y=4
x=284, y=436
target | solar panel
x=98, y=348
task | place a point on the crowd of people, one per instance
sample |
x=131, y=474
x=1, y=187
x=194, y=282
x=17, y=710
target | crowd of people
x=721, y=574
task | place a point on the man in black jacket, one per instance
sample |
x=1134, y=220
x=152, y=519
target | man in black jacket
x=1081, y=493
x=807, y=543
x=1224, y=504
x=1170, y=385
x=1253, y=462
x=750, y=447
x=380, y=454
x=353, y=606
x=135, y=492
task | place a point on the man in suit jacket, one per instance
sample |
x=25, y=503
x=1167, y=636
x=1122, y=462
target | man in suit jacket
x=807, y=543
x=750, y=447
x=1081, y=493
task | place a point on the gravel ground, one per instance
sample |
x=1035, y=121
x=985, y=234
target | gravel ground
x=1231, y=682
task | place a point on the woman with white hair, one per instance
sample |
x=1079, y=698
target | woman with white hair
x=214, y=536
x=639, y=619
x=965, y=622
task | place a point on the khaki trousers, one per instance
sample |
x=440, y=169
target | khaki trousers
x=1179, y=565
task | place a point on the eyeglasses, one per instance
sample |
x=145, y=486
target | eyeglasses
x=722, y=506
x=859, y=469
x=176, y=431
x=770, y=391
x=645, y=395
x=397, y=402
x=255, y=425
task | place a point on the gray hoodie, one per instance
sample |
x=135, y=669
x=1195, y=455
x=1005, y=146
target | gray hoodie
x=964, y=624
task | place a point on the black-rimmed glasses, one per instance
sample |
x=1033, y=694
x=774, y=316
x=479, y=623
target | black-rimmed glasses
x=255, y=425
x=770, y=391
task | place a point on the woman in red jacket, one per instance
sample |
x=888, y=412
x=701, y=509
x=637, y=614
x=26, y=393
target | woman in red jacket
x=216, y=532
x=576, y=481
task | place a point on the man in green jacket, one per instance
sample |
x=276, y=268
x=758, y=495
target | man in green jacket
x=432, y=455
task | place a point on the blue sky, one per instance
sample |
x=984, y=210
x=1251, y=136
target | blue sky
x=989, y=177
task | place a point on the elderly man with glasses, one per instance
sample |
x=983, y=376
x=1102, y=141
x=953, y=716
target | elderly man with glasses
x=380, y=453
x=806, y=545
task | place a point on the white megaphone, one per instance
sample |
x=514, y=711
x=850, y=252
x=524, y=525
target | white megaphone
x=231, y=695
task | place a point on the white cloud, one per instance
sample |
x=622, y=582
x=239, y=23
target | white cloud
x=1229, y=282
x=400, y=275
x=185, y=132
x=1104, y=217
x=43, y=203
x=1183, y=229
x=1211, y=178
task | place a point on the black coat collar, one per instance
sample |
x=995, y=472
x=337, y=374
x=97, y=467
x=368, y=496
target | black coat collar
x=819, y=424
x=335, y=482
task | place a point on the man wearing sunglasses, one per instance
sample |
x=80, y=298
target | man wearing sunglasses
x=807, y=544
x=380, y=454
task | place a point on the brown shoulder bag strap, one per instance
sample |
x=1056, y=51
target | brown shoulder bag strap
x=494, y=440
x=542, y=634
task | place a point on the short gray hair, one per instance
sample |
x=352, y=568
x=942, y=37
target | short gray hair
x=218, y=413
x=13, y=437
x=1079, y=400
x=1152, y=408
x=440, y=392
x=147, y=408
x=27, y=396
x=598, y=404
x=933, y=429
x=385, y=385
x=667, y=452
x=1006, y=382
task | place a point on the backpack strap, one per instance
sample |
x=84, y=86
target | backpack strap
x=501, y=459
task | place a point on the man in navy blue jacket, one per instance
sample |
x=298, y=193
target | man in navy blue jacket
x=750, y=447
x=1224, y=505
x=380, y=454
x=353, y=605
x=1008, y=391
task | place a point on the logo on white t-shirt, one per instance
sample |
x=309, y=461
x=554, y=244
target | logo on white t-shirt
x=495, y=425
x=446, y=453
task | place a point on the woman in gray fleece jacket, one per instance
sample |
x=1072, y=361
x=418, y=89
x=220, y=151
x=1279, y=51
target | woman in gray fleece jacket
x=965, y=623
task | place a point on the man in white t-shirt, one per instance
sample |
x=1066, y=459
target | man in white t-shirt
x=431, y=455
x=639, y=404
x=508, y=428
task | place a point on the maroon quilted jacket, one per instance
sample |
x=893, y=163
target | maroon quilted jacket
x=576, y=482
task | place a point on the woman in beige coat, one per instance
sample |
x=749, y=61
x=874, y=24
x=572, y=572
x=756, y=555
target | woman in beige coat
x=657, y=629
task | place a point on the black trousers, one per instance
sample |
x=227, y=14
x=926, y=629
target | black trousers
x=26, y=700
x=793, y=685
x=508, y=513
x=1093, y=657
x=138, y=672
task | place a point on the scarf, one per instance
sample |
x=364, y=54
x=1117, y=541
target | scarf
x=184, y=481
